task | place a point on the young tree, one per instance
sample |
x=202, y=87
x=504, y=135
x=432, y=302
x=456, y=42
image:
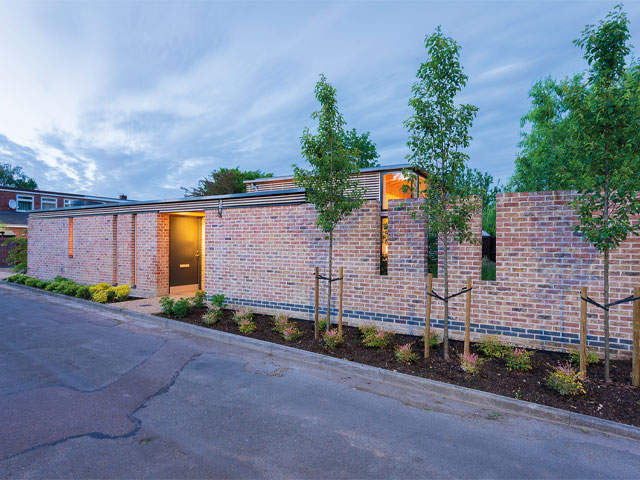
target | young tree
x=438, y=131
x=18, y=254
x=329, y=181
x=224, y=181
x=11, y=176
x=604, y=116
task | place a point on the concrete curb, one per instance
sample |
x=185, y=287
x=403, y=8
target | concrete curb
x=346, y=367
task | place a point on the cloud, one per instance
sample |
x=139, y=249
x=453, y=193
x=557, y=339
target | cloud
x=144, y=98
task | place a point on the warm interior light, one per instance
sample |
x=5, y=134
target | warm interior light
x=392, y=184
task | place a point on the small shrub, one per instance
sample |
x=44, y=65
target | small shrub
x=377, y=338
x=404, y=354
x=96, y=288
x=61, y=279
x=198, y=299
x=247, y=326
x=574, y=358
x=70, y=289
x=167, y=305
x=51, y=287
x=121, y=292
x=322, y=323
x=519, y=359
x=20, y=279
x=42, y=284
x=291, y=333
x=31, y=282
x=366, y=330
x=213, y=316
x=60, y=287
x=218, y=300
x=493, y=346
x=181, y=308
x=332, y=338
x=471, y=363
x=434, y=339
x=565, y=380
x=100, y=296
x=243, y=313
x=83, y=292
x=280, y=323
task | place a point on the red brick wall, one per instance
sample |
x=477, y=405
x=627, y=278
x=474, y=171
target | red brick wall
x=265, y=256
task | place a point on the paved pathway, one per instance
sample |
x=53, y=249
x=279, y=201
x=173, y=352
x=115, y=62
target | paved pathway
x=84, y=395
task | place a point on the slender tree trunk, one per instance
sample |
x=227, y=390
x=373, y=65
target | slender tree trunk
x=445, y=334
x=329, y=281
x=606, y=316
x=607, y=377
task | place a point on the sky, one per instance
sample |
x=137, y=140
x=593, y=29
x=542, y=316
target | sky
x=143, y=98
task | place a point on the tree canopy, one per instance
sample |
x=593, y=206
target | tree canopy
x=361, y=148
x=224, y=181
x=11, y=176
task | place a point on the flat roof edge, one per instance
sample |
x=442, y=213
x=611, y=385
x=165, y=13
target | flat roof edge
x=380, y=168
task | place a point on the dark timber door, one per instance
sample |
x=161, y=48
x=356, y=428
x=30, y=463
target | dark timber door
x=184, y=250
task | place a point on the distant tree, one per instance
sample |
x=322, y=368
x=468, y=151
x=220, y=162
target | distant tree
x=604, y=119
x=18, y=254
x=11, y=176
x=224, y=181
x=481, y=184
x=363, y=149
x=329, y=181
x=438, y=131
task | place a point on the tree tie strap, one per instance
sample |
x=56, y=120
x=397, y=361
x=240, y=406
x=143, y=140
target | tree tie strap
x=322, y=277
x=446, y=300
x=590, y=300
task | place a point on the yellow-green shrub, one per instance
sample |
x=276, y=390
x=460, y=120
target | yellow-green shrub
x=100, y=296
x=99, y=287
x=121, y=292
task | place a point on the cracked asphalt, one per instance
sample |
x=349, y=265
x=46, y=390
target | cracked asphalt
x=84, y=395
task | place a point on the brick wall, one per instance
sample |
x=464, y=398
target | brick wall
x=264, y=257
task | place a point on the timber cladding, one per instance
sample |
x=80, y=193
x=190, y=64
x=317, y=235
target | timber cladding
x=264, y=257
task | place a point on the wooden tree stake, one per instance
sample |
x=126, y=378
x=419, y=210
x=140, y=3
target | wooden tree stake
x=341, y=275
x=427, y=323
x=636, y=339
x=317, y=302
x=583, y=331
x=467, y=320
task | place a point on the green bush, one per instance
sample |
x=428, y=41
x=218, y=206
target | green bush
x=488, y=269
x=574, y=358
x=167, y=305
x=519, y=359
x=471, y=363
x=376, y=337
x=198, y=299
x=70, y=289
x=51, y=287
x=18, y=254
x=291, y=333
x=332, y=338
x=243, y=313
x=60, y=287
x=280, y=323
x=405, y=355
x=493, y=346
x=42, y=284
x=83, y=292
x=19, y=279
x=181, y=308
x=31, y=282
x=218, y=300
x=60, y=279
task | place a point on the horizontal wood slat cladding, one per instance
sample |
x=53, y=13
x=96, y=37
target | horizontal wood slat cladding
x=177, y=206
x=370, y=181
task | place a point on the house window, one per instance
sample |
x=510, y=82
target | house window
x=384, y=246
x=67, y=202
x=392, y=188
x=25, y=203
x=70, y=237
x=47, y=203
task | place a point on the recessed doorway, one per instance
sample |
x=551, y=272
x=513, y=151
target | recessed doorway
x=185, y=266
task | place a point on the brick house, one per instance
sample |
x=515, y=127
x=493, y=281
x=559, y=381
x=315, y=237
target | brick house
x=260, y=249
x=17, y=203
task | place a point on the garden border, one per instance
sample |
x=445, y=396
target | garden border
x=401, y=380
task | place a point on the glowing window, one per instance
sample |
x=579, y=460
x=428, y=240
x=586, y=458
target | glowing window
x=70, y=237
x=384, y=246
x=392, y=184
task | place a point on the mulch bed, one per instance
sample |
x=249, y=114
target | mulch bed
x=617, y=401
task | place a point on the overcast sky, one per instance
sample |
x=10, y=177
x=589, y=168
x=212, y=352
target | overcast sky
x=142, y=98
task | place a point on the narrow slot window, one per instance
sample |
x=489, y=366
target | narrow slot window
x=384, y=246
x=71, y=237
x=115, y=249
x=432, y=254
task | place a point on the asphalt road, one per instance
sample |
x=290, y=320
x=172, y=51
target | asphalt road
x=84, y=395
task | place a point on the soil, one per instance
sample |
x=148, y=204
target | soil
x=617, y=401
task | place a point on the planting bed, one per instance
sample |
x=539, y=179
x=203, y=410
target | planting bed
x=617, y=401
